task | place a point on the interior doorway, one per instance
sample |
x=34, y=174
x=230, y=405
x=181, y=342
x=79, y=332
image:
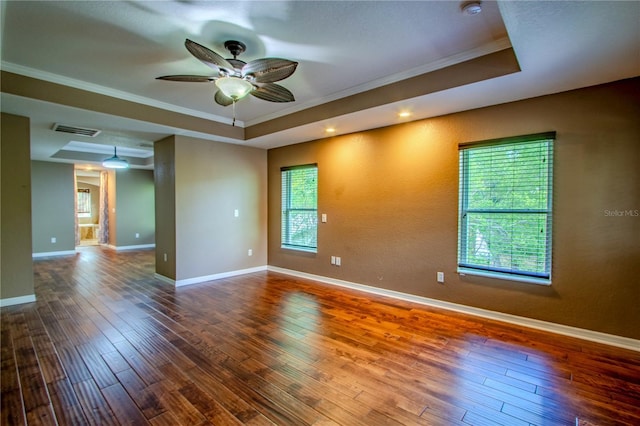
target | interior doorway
x=87, y=207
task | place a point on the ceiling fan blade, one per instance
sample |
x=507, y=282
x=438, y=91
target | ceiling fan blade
x=222, y=99
x=268, y=70
x=273, y=93
x=190, y=78
x=208, y=56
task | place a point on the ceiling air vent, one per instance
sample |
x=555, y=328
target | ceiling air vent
x=81, y=131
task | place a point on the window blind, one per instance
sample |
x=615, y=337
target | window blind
x=84, y=201
x=300, y=207
x=505, y=206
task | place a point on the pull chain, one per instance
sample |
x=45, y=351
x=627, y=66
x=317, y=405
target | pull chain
x=234, y=113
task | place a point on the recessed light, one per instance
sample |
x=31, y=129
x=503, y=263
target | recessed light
x=330, y=130
x=471, y=8
x=404, y=114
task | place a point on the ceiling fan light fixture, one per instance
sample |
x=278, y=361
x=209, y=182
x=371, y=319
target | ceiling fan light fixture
x=115, y=162
x=234, y=87
x=235, y=79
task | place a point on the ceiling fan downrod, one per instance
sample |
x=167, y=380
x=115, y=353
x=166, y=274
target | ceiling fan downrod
x=235, y=47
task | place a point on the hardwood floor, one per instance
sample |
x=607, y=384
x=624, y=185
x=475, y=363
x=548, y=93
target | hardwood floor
x=108, y=344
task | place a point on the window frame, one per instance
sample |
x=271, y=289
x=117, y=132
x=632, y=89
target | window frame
x=83, y=191
x=463, y=265
x=287, y=209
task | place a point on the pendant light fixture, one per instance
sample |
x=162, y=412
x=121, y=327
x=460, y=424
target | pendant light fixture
x=115, y=162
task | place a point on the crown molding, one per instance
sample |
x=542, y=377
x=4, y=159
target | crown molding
x=492, y=47
x=107, y=91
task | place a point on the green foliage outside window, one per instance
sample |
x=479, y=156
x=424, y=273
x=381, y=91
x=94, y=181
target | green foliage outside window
x=505, y=207
x=300, y=207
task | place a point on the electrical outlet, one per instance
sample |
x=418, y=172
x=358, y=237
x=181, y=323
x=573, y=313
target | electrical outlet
x=236, y=213
x=53, y=240
x=250, y=252
x=440, y=277
x=137, y=235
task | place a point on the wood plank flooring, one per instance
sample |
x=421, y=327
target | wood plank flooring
x=107, y=344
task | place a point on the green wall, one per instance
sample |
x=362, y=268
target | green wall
x=135, y=207
x=53, y=207
x=16, y=265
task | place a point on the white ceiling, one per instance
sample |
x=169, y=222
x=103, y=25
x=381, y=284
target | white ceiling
x=343, y=48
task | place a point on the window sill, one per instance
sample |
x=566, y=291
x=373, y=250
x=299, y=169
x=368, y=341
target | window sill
x=507, y=277
x=296, y=248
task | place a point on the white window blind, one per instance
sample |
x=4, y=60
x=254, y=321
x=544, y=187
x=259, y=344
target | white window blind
x=300, y=207
x=505, y=207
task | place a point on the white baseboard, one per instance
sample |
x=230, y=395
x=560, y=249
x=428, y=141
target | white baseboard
x=205, y=278
x=580, y=333
x=137, y=247
x=54, y=253
x=10, y=301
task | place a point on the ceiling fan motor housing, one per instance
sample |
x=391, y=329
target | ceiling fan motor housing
x=235, y=47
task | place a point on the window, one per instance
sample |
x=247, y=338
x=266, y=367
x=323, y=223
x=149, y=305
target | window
x=504, y=224
x=300, y=207
x=84, y=202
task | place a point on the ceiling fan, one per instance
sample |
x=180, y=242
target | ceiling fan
x=235, y=78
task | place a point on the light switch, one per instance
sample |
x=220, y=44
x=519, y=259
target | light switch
x=324, y=218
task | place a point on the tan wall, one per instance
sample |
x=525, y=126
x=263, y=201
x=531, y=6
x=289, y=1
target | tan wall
x=212, y=180
x=28, y=87
x=165, y=206
x=391, y=196
x=16, y=265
